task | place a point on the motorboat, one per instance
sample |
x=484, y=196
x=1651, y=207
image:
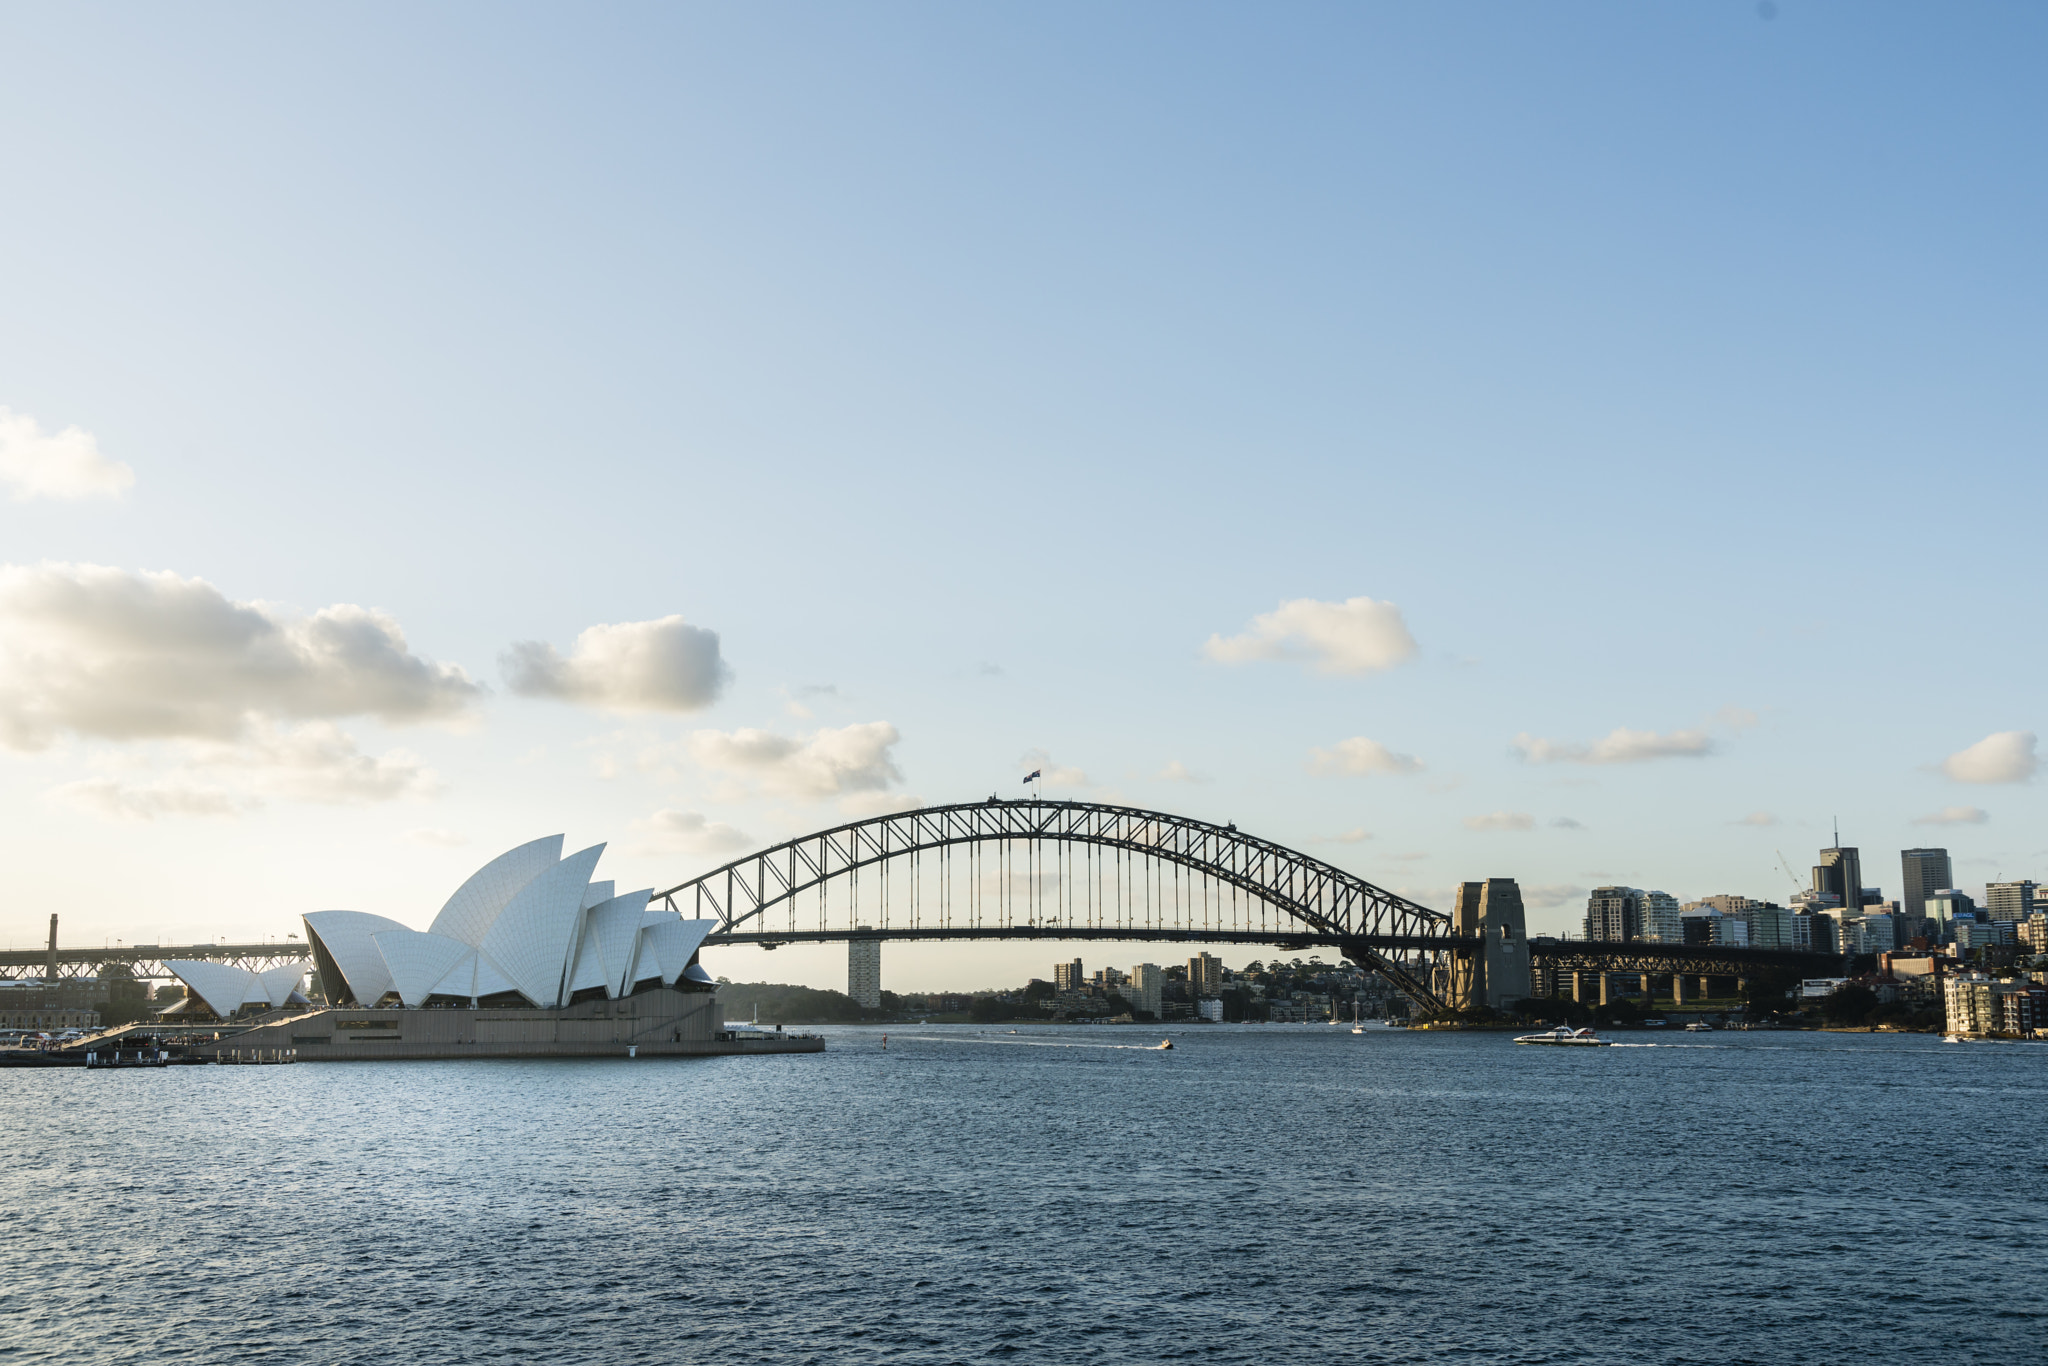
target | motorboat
x=1566, y=1036
x=1162, y=1045
x=1699, y=1027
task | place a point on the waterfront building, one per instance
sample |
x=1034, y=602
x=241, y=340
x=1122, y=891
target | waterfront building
x=2012, y=901
x=1973, y=1002
x=1711, y=925
x=1147, y=988
x=1205, y=975
x=1660, y=919
x=1069, y=976
x=1922, y=873
x=1210, y=1008
x=2034, y=932
x=1614, y=914
x=864, y=971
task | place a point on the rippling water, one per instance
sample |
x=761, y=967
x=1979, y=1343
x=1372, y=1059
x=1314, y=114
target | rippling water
x=1256, y=1195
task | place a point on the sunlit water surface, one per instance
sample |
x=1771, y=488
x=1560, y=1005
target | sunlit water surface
x=1254, y=1195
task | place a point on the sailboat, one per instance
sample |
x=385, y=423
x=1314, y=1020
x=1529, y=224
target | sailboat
x=1357, y=1025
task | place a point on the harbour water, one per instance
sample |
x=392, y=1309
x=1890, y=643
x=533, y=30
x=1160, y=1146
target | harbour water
x=1259, y=1194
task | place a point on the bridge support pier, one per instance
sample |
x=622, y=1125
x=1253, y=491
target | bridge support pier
x=1603, y=988
x=1705, y=989
x=1578, y=985
x=1646, y=988
x=1677, y=988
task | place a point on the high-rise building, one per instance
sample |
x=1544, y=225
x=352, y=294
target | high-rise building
x=1146, y=988
x=1660, y=919
x=2012, y=901
x=1948, y=903
x=1069, y=976
x=1922, y=873
x=1205, y=976
x=1614, y=914
x=1840, y=871
x=864, y=971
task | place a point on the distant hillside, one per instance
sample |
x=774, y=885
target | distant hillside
x=787, y=1005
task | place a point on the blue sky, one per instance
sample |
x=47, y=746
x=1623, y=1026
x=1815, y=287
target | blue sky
x=1672, y=369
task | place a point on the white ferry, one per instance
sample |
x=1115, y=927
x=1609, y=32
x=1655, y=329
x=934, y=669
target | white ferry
x=1568, y=1037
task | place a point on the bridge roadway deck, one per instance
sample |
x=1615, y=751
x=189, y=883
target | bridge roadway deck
x=147, y=960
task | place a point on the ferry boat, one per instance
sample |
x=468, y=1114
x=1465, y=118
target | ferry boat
x=1566, y=1036
x=1699, y=1027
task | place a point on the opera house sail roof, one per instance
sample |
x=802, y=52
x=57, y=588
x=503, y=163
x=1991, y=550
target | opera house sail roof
x=529, y=927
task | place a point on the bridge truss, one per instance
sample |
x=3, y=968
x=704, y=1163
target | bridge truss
x=1064, y=870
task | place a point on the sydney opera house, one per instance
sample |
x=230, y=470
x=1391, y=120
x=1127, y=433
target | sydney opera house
x=529, y=957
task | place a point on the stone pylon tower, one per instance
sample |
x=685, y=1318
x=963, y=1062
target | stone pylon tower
x=1504, y=965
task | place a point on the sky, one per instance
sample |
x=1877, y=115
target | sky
x=1583, y=443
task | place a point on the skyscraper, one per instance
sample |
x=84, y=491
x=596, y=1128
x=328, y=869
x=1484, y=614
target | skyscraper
x=1205, y=975
x=1069, y=976
x=1660, y=919
x=1840, y=871
x=1614, y=914
x=1922, y=873
x=864, y=971
x=1148, y=982
x=2012, y=901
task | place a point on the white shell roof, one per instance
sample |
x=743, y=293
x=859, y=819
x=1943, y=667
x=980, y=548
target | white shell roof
x=528, y=921
x=534, y=935
x=347, y=937
x=417, y=961
x=224, y=987
x=477, y=903
x=281, y=983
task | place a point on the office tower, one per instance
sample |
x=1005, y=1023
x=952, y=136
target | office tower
x=1948, y=903
x=864, y=971
x=1147, y=987
x=1205, y=975
x=1068, y=976
x=1923, y=872
x=1504, y=964
x=2012, y=901
x=1614, y=914
x=1660, y=918
x=1840, y=871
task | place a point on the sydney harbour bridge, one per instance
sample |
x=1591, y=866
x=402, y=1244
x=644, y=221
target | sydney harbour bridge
x=1072, y=871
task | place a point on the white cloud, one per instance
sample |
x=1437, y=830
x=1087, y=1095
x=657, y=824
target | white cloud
x=1552, y=894
x=1357, y=636
x=1621, y=746
x=828, y=763
x=2006, y=757
x=1357, y=834
x=687, y=832
x=433, y=837
x=118, y=800
x=629, y=666
x=66, y=464
x=1178, y=772
x=1501, y=820
x=1566, y=823
x=1759, y=819
x=116, y=655
x=1955, y=815
x=1358, y=756
x=318, y=762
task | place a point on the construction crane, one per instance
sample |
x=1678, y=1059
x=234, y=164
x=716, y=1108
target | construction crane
x=1786, y=864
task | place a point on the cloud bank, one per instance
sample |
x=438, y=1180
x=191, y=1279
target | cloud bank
x=1620, y=746
x=1955, y=815
x=1359, y=756
x=828, y=763
x=670, y=831
x=630, y=666
x=66, y=464
x=1356, y=636
x=114, y=655
x=2006, y=757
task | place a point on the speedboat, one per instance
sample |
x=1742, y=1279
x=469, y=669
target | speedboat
x=1163, y=1045
x=1566, y=1036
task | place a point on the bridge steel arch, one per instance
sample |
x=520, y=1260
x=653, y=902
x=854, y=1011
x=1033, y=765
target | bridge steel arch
x=1292, y=896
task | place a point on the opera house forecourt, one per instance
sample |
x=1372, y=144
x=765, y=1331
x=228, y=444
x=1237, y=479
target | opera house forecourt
x=529, y=958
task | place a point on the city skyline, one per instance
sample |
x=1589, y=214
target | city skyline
x=1245, y=432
